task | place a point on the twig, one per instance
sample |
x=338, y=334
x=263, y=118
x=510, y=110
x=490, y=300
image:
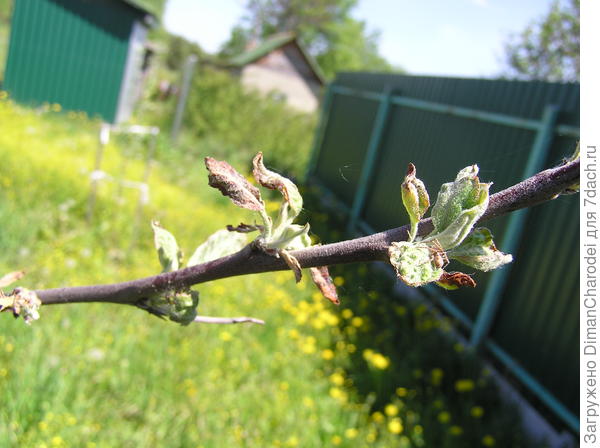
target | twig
x=539, y=188
x=227, y=320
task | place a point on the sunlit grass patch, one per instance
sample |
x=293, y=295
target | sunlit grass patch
x=108, y=375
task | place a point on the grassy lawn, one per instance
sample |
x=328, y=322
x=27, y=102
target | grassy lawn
x=371, y=373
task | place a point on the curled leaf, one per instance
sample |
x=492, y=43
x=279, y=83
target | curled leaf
x=324, y=282
x=455, y=280
x=479, y=251
x=169, y=254
x=292, y=263
x=274, y=181
x=415, y=199
x=414, y=263
x=245, y=228
x=11, y=277
x=221, y=243
x=232, y=184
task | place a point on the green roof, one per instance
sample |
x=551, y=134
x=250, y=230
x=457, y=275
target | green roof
x=272, y=43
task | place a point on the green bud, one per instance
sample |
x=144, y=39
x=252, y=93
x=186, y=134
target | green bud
x=179, y=307
x=415, y=263
x=415, y=199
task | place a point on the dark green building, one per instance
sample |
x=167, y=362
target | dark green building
x=87, y=55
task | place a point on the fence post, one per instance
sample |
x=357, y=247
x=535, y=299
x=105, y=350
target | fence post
x=103, y=138
x=188, y=71
x=320, y=133
x=370, y=158
x=514, y=230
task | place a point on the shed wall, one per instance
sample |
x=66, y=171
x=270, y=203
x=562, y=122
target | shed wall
x=71, y=52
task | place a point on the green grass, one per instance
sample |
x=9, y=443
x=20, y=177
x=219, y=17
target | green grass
x=106, y=375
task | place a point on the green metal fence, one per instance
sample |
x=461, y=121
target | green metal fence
x=525, y=315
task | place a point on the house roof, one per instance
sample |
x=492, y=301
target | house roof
x=271, y=44
x=153, y=7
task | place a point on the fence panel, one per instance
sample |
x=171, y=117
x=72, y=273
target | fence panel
x=508, y=128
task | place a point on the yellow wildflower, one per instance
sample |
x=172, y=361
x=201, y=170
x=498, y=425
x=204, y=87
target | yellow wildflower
x=391, y=410
x=464, y=385
x=225, y=336
x=357, y=321
x=488, y=440
x=436, y=376
x=293, y=333
x=456, y=430
x=477, y=411
x=336, y=378
x=292, y=441
x=401, y=391
x=379, y=361
x=327, y=354
x=377, y=417
x=444, y=417
x=336, y=440
x=347, y=313
x=351, y=433
x=395, y=426
x=339, y=281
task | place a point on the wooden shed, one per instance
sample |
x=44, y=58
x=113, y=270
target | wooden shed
x=282, y=67
x=86, y=55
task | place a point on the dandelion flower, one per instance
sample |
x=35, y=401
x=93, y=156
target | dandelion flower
x=391, y=410
x=395, y=426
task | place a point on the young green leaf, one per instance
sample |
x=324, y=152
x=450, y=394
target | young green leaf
x=458, y=207
x=292, y=237
x=274, y=181
x=232, y=184
x=221, y=243
x=415, y=199
x=479, y=251
x=455, y=197
x=166, y=245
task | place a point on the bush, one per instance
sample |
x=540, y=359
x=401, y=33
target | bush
x=241, y=123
